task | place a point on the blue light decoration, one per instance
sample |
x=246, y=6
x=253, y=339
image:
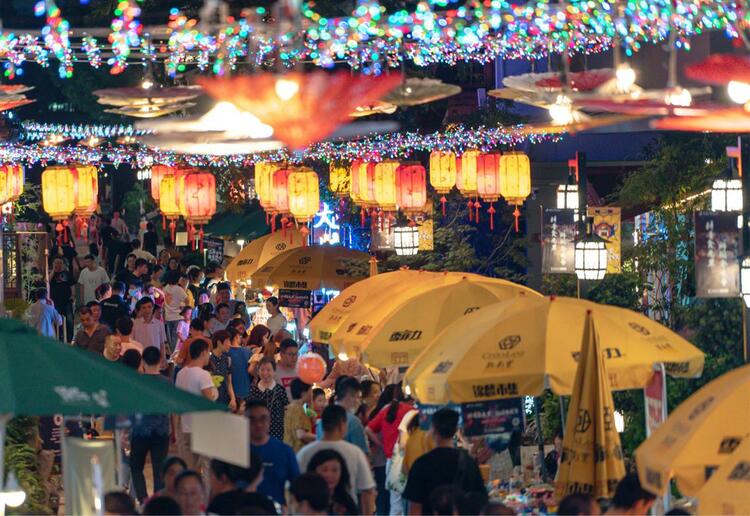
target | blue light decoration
x=326, y=227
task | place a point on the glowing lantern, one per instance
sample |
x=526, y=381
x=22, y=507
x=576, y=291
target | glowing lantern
x=339, y=180
x=58, y=200
x=304, y=195
x=159, y=172
x=168, y=201
x=442, y=173
x=363, y=186
x=197, y=200
x=86, y=195
x=515, y=180
x=263, y=184
x=11, y=182
x=411, y=187
x=488, y=182
x=280, y=196
x=466, y=177
x=385, y=185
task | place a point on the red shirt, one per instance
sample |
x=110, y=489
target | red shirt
x=389, y=430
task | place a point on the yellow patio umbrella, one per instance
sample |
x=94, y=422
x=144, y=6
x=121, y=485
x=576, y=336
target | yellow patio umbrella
x=313, y=268
x=261, y=250
x=700, y=435
x=592, y=455
x=726, y=492
x=370, y=291
x=393, y=333
x=522, y=346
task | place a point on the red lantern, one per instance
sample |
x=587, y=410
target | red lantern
x=488, y=182
x=197, y=201
x=311, y=368
x=280, y=196
x=411, y=187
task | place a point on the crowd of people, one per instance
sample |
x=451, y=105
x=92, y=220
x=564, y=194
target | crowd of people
x=354, y=443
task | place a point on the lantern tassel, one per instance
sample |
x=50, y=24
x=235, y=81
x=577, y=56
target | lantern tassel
x=362, y=217
x=163, y=222
x=172, y=229
x=491, y=211
x=477, y=205
x=268, y=219
x=470, y=205
x=85, y=230
x=516, y=214
x=200, y=238
x=305, y=232
x=284, y=224
x=273, y=223
x=443, y=200
x=59, y=231
x=65, y=231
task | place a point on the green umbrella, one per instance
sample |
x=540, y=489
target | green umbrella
x=40, y=376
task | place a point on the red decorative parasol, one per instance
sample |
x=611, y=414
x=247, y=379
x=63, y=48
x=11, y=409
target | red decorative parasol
x=587, y=80
x=12, y=104
x=644, y=107
x=719, y=69
x=14, y=89
x=302, y=108
x=727, y=120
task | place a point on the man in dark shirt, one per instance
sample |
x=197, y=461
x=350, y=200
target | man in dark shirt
x=115, y=306
x=443, y=466
x=150, y=239
x=91, y=336
x=61, y=285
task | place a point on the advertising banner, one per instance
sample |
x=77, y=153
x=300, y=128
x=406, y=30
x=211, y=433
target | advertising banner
x=558, y=241
x=717, y=248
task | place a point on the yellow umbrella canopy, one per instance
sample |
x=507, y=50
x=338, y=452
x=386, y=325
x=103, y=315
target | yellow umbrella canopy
x=592, y=455
x=700, y=435
x=369, y=292
x=258, y=252
x=726, y=492
x=313, y=268
x=397, y=331
x=523, y=346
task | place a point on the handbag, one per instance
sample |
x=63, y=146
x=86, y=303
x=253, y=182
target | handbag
x=396, y=480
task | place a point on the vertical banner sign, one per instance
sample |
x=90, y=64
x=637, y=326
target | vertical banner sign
x=655, y=400
x=717, y=248
x=607, y=224
x=558, y=241
x=425, y=224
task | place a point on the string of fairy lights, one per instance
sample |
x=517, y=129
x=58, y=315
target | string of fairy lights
x=371, y=39
x=373, y=148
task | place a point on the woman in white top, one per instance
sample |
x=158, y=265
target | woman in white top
x=276, y=321
x=175, y=298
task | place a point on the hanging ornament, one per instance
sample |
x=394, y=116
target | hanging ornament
x=488, y=183
x=411, y=188
x=280, y=196
x=304, y=197
x=301, y=107
x=466, y=178
x=365, y=187
x=58, y=198
x=515, y=180
x=86, y=195
x=159, y=172
x=339, y=179
x=168, y=203
x=442, y=174
x=263, y=186
x=197, y=202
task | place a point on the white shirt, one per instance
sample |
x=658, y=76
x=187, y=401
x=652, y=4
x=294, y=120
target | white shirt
x=89, y=280
x=149, y=334
x=356, y=463
x=275, y=323
x=175, y=299
x=195, y=380
x=131, y=344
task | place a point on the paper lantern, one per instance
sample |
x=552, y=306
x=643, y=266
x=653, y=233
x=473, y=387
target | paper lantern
x=385, y=184
x=86, y=191
x=354, y=181
x=411, y=188
x=168, y=197
x=279, y=190
x=11, y=182
x=263, y=184
x=304, y=194
x=58, y=185
x=58, y=198
x=515, y=180
x=363, y=186
x=442, y=173
x=159, y=172
x=488, y=182
x=339, y=180
x=466, y=178
x=311, y=368
x=196, y=200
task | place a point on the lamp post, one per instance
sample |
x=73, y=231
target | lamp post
x=406, y=240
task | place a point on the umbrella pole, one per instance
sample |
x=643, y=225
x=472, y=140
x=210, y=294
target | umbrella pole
x=540, y=439
x=4, y=418
x=563, y=417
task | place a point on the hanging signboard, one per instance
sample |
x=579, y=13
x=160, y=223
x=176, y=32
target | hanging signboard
x=492, y=417
x=655, y=397
x=607, y=224
x=214, y=248
x=717, y=248
x=289, y=298
x=425, y=224
x=558, y=241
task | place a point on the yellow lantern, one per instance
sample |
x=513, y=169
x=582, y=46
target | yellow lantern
x=11, y=182
x=442, y=173
x=385, y=184
x=515, y=180
x=339, y=179
x=264, y=184
x=466, y=173
x=366, y=172
x=354, y=181
x=58, y=185
x=168, y=201
x=304, y=194
x=86, y=194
